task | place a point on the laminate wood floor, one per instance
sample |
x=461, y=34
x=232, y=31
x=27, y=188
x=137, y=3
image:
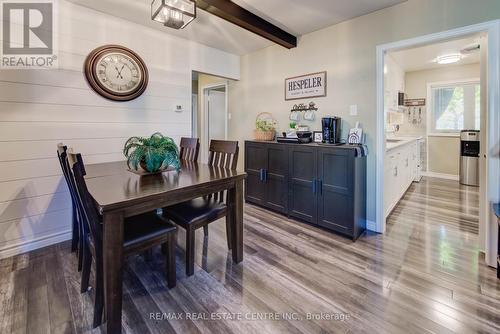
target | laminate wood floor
x=425, y=275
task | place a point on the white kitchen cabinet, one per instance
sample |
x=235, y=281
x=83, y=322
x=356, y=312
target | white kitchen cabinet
x=401, y=169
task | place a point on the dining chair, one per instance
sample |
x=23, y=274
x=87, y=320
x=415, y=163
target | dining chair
x=76, y=231
x=189, y=149
x=200, y=212
x=141, y=233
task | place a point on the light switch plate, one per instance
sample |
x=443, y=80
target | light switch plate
x=354, y=110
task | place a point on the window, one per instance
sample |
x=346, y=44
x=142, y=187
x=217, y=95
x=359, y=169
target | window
x=455, y=107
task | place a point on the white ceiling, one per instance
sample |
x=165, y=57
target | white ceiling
x=295, y=16
x=423, y=57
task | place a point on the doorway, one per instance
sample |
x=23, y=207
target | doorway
x=490, y=160
x=215, y=111
x=210, y=119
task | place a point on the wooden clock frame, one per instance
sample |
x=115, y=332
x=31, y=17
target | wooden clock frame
x=90, y=70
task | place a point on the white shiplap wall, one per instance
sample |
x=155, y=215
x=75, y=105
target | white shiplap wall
x=39, y=108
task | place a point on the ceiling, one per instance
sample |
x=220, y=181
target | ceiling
x=422, y=58
x=297, y=17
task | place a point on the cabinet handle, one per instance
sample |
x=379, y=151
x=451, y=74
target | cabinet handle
x=407, y=163
x=314, y=185
x=265, y=175
x=261, y=175
x=321, y=187
x=395, y=171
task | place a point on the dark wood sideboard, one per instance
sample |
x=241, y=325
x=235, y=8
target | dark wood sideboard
x=319, y=184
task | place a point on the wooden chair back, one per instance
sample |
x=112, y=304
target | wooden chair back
x=63, y=162
x=223, y=154
x=91, y=217
x=190, y=148
x=62, y=154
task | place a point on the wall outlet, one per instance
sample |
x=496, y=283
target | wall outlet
x=178, y=108
x=353, y=110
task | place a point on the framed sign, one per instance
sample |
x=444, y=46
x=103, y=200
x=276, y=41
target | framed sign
x=305, y=86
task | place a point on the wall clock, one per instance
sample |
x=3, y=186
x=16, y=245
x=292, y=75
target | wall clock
x=116, y=73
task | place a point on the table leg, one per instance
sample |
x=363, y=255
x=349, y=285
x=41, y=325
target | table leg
x=113, y=270
x=235, y=217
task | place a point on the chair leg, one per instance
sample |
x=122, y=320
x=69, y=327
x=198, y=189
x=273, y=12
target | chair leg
x=99, y=294
x=171, y=274
x=87, y=267
x=75, y=232
x=205, y=230
x=190, y=251
x=228, y=234
x=148, y=255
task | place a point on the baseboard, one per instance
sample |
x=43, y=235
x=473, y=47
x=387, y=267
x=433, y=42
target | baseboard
x=29, y=245
x=371, y=225
x=441, y=176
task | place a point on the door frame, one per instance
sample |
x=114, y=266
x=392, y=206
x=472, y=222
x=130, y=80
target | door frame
x=492, y=28
x=205, y=141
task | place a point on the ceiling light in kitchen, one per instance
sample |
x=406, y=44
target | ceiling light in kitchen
x=448, y=59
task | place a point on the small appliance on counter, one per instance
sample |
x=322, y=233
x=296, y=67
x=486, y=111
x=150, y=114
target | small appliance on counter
x=298, y=137
x=304, y=137
x=331, y=127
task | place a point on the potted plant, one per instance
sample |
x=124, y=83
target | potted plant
x=265, y=127
x=154, y=154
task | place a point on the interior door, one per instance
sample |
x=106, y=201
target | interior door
x=216, y=114
x=215, y=117
x=302, y=191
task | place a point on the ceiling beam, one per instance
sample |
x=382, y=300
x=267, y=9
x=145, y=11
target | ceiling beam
x=245, y=19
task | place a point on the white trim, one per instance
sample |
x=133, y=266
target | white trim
x=492, y=28
x=29, y=245
x=444, y=134
x=441, y=176
x=371, y=225
x=205, y=140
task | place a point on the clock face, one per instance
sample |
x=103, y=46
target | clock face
x=116, y=73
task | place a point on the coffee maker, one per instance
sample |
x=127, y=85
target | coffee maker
x=331, y=129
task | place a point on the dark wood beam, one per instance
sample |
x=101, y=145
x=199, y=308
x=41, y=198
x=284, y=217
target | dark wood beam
x=245, y=19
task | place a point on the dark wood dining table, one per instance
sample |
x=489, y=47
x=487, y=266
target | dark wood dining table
x=119, y=193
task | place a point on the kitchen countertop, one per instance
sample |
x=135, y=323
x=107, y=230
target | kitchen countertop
x=389, y=146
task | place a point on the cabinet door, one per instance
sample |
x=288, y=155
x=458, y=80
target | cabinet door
x=276, y=177
x=302, y=174
x=335, y=197
x=255, y=163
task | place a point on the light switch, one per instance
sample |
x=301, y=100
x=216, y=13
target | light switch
x=354, y=110
x=229, y=116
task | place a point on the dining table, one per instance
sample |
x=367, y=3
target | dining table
x=120, y=193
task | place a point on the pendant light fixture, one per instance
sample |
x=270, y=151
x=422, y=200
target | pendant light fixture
x=175, y=14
